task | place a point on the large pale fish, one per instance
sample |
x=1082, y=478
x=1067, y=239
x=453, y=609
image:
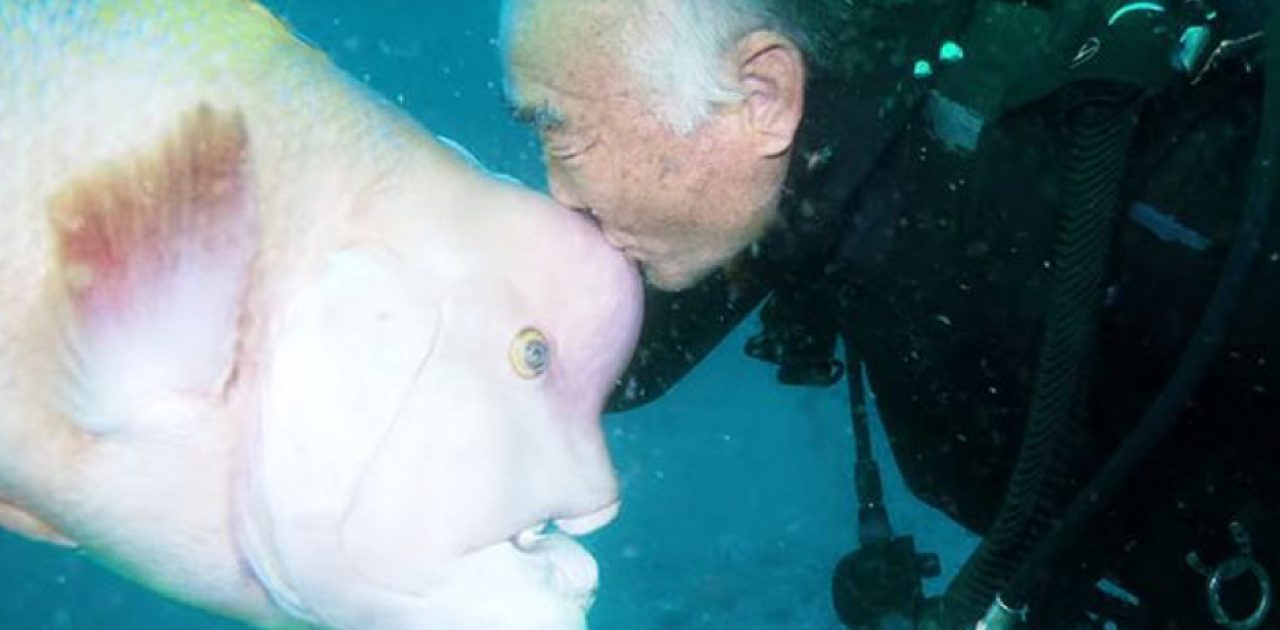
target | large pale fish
x=269, y=348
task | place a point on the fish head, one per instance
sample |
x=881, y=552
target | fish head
x=428, y=435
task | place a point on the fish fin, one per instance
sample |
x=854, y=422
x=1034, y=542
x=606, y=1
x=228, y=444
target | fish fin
x=25, y=524
x=154, y=255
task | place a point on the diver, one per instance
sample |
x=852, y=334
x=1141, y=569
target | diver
x=1045, y=229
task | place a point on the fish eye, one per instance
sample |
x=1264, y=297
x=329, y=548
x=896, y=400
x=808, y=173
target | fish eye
x=530, y=353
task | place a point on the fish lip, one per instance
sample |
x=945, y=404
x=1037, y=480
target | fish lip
x=528, y=538
x=569, y=568
x=589, y=523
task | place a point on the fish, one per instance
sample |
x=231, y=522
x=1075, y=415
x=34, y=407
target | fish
x=270, y=348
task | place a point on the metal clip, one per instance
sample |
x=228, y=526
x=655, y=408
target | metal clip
x=1002, y=617
x=1228, y=49
x=1088, y=50
x=1230, y=569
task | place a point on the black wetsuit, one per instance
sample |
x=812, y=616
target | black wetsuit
x=935, y=264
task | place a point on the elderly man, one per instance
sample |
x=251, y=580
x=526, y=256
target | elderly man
x=1015, y=214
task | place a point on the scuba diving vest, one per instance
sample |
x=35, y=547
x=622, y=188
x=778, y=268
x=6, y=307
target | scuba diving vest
x=959, y=65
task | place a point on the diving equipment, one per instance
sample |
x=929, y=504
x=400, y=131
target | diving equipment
x=1202, y=347
x=1240, y=566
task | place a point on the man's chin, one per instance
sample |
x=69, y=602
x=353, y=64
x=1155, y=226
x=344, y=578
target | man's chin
x=672, y=278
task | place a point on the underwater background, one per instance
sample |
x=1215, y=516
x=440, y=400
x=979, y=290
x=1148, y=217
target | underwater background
x=737, y=492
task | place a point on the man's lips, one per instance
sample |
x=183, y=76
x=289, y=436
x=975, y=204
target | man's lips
x=624, y=245
x=614, y=240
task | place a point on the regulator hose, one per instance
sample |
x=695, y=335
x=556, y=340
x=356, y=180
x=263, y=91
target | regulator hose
x=1203, y=345
x=1102, y=124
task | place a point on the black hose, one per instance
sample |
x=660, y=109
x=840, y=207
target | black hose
x=1102, y=128
x=1202, y=347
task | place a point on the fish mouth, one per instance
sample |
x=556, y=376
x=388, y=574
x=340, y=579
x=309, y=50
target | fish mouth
x=589, y=523
x=572, y=571
x=541, y=571
x=527, y=539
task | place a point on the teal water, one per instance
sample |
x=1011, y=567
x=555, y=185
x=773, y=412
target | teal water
x=738, y=496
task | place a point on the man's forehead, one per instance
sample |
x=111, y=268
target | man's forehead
x=562, y=75
x=560, y=32
x=562, y=55
x=574, y=80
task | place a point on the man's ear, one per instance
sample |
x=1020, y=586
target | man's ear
x=771, y=74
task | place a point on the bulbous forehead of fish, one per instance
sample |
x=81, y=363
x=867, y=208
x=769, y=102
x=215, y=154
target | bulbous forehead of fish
x=583, y=289
x=552, y=264
x=518, y=261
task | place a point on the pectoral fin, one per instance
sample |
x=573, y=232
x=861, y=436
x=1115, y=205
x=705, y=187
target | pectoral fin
x=154, y=255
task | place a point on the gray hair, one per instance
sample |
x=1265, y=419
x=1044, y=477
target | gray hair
x=676, y=49
x=678, y=52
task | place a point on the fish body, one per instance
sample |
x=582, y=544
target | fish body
x=271, y=349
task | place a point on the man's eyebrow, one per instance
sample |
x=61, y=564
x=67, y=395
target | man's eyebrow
x=541, y=116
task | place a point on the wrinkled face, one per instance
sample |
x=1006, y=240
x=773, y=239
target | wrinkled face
x=680, y=205
x=432, y=403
